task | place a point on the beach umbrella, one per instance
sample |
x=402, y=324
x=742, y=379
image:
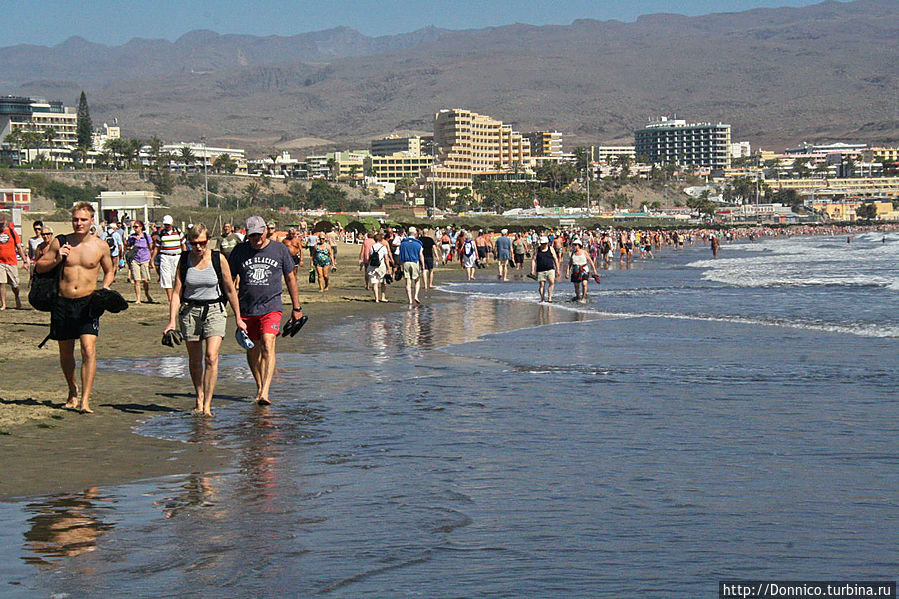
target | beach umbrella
x=323, y=226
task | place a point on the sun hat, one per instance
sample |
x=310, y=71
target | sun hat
x=504, y=231
x=168, y=220
x=576, y=241
x=544, y=239
x=255, y=225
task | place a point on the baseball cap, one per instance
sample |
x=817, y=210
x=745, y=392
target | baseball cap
x=255, y=225
x=168, y=220
x=576, y=241
x=504, y=231
x=544, y=239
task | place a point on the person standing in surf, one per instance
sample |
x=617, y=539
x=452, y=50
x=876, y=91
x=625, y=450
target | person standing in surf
x=580, y=267
x=545, y=268
x=257, y=266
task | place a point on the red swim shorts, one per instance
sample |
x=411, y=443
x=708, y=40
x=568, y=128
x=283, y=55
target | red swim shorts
x=264, y=323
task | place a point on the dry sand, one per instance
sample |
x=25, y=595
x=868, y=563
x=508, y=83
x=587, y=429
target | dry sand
x=49, y=449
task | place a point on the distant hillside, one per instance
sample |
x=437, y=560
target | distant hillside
x=779, y=76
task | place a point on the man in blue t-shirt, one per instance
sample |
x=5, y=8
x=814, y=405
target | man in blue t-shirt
x=413, y=261
x=257, y=266
x=502, y=248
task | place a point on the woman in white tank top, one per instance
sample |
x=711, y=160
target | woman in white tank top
x=580, y=265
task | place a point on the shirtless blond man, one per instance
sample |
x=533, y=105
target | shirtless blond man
x=70, y=319
x=294, y=245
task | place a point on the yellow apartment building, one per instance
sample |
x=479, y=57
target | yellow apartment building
x=884, y=154
x=857, y=186
x=470, y=143
x=396, y=167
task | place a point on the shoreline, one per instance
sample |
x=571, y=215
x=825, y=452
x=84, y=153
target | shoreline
x=49, y=449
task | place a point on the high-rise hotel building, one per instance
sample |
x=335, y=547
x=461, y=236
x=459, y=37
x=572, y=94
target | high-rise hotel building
x=23, y=115
x=469, y=143
x=694, y=144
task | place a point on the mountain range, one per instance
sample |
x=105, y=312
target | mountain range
x=778, y=75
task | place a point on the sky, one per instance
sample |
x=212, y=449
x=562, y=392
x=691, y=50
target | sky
x=114, y=22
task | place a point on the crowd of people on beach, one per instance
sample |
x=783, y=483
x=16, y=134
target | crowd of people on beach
x=247, y=268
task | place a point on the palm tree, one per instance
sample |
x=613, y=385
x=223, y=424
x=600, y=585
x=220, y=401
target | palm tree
x=252, y=192
x=332, y=164
x=105, y=157
x=118, y=148
x=187, y=157
x=131, y=151
x=32, y=140
x=49, y=136
x=163, y=159
x=354, y=169
x=623, y=162
x=223, y=162
x=15, y=139
x=800, y=166
x=155, y=149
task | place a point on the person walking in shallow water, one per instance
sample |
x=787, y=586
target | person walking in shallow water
x=545, y=268
x=580, y=267
x=412, y=261
x=378, y=265
x=198, y=308
x=257, y=266
x=322, y=259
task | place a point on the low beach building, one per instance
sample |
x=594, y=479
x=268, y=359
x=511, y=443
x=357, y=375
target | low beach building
x=612, y=154
x=15, y=197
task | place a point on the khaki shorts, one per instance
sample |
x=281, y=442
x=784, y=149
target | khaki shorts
x=140, y=271
x=9, y=273
x=546, y=275
x=412, y=270
x=194, y=327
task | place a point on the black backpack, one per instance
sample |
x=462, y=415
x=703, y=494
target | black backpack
x=374, y=258
x=45, y=286
x=110, y=241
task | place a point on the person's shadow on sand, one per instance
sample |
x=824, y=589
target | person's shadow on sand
x=32, y=402
x=136, y=408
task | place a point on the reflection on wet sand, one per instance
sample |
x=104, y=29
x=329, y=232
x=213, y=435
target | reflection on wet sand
x=198, y=490
x=434, y=326
x=65, y=525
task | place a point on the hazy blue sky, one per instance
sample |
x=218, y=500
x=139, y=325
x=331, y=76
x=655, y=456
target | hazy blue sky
x=50, y=22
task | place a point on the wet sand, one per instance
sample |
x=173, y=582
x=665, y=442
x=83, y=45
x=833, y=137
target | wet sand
x=47, y=448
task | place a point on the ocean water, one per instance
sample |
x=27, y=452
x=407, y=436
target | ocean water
x=696, y=420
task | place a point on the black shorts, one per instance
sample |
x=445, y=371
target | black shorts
x=482, y=251
x=71, y=318
x=519, y=258
x=429, y=264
